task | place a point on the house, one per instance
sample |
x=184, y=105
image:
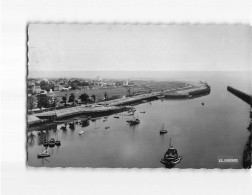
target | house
x=36, y=89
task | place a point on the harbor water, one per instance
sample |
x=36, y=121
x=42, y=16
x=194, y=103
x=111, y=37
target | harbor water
x=202, y=134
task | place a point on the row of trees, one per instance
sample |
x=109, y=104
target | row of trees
x=44, y=101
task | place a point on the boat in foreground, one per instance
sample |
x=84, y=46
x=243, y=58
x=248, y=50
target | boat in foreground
x=43, y=154
x=171, y=157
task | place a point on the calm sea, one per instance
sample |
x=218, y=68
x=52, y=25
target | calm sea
x=201, y=134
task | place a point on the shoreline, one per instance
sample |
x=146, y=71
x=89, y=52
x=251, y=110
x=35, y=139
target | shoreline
x=115, y=106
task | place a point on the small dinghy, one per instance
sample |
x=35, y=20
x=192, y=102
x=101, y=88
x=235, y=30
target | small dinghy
x=107, y=127
x=202, y=103
x=81, y=132
x=43, y=154
x=142, y=112
x=163, y=131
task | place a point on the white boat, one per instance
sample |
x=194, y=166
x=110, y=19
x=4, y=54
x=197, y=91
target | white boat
x=43, y=154
x=162, y=130
x=81, y=132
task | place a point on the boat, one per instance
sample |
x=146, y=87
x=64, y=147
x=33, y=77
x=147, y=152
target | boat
x=43, y=154
x=171, y=157
x=116, y=117
x=107, y=127
x=133, y=121
x=81, y=132
x=142, y=112
x=45, y=143
x=163, y=131
x=51, y=143
x=63, y=128
x=203, y=103
x=57, y=143
x=161, y=96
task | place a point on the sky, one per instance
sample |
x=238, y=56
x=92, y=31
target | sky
x=142, y=47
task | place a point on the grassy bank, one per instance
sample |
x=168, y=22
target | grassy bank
x=141, y=87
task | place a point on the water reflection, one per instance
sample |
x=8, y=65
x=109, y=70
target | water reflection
x=30, y=139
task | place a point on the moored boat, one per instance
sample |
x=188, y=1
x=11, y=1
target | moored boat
x=133, y=121
x=162, y=130
x=171, y=157
x=51, y=143
x=43, y=154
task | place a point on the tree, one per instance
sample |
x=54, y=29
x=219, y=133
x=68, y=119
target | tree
x=45, y=85
x=30, y=102
x=105, y=96
x=128, y=91
x=64, y=99
x=84, y=97
x=72, y=98
x=43, y=101
x=93, y=97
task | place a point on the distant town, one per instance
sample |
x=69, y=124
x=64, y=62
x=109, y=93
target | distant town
x=56, y=93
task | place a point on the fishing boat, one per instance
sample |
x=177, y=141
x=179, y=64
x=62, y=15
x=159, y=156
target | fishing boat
x=162, y=130
x=142, y=112
x=133, y=121
x=81, y=132
x=43, y=154
x=171, y=156
x=57, y=143
x=116, y=117
x=45, y=143
x=51, y=143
